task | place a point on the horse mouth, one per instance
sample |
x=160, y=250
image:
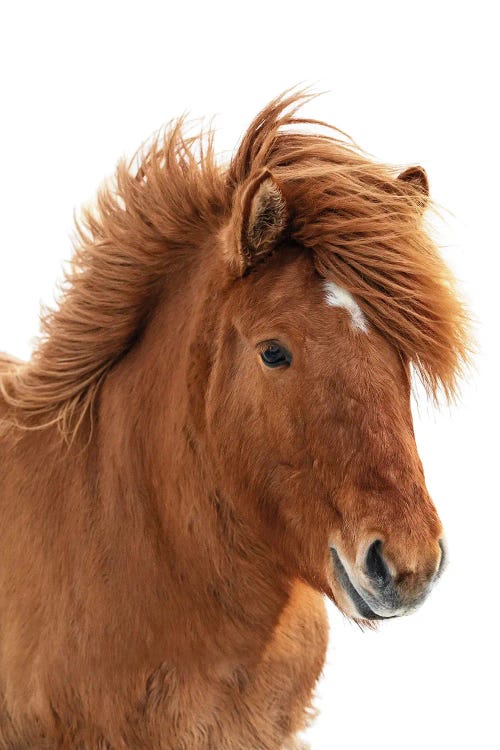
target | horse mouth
x=364, y=610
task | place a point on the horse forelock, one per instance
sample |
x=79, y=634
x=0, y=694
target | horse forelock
x=367, y=232
x=363, y=226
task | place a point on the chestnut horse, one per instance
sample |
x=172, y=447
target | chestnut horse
x=213, y=433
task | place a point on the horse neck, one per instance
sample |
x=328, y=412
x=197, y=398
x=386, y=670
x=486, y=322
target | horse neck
x=162, y=497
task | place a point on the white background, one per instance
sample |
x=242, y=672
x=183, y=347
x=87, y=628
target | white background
x=83, y=83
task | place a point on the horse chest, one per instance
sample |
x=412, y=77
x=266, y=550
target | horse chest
x=250, y=709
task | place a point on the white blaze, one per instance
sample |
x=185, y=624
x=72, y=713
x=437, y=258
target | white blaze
x=338, y=297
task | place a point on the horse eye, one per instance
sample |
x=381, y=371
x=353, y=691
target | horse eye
x=275, y=355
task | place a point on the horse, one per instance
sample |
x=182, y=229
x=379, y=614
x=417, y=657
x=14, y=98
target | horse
x=214, y=434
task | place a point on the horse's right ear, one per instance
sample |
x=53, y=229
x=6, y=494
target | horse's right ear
x=257, y=223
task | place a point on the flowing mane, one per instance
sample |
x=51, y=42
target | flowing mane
x=364, y=228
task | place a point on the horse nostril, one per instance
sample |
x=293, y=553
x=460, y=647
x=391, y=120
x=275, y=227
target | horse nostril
x=376, y=566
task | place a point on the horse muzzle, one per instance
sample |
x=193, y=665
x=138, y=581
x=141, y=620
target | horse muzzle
x=376, y=591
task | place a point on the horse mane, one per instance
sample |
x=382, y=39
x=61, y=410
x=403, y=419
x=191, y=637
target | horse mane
x=365, y=230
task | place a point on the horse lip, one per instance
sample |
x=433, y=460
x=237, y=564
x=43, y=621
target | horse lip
x=359, y=602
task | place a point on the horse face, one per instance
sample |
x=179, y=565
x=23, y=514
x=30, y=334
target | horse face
x=310, y=408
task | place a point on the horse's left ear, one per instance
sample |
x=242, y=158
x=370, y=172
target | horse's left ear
x=258, y=222
x=416, y=177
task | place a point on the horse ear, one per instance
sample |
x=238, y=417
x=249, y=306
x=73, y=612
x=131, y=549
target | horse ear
x=258, y=222
x=416, y=177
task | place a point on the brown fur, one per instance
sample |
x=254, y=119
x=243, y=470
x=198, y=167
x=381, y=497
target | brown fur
x=162, y=569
